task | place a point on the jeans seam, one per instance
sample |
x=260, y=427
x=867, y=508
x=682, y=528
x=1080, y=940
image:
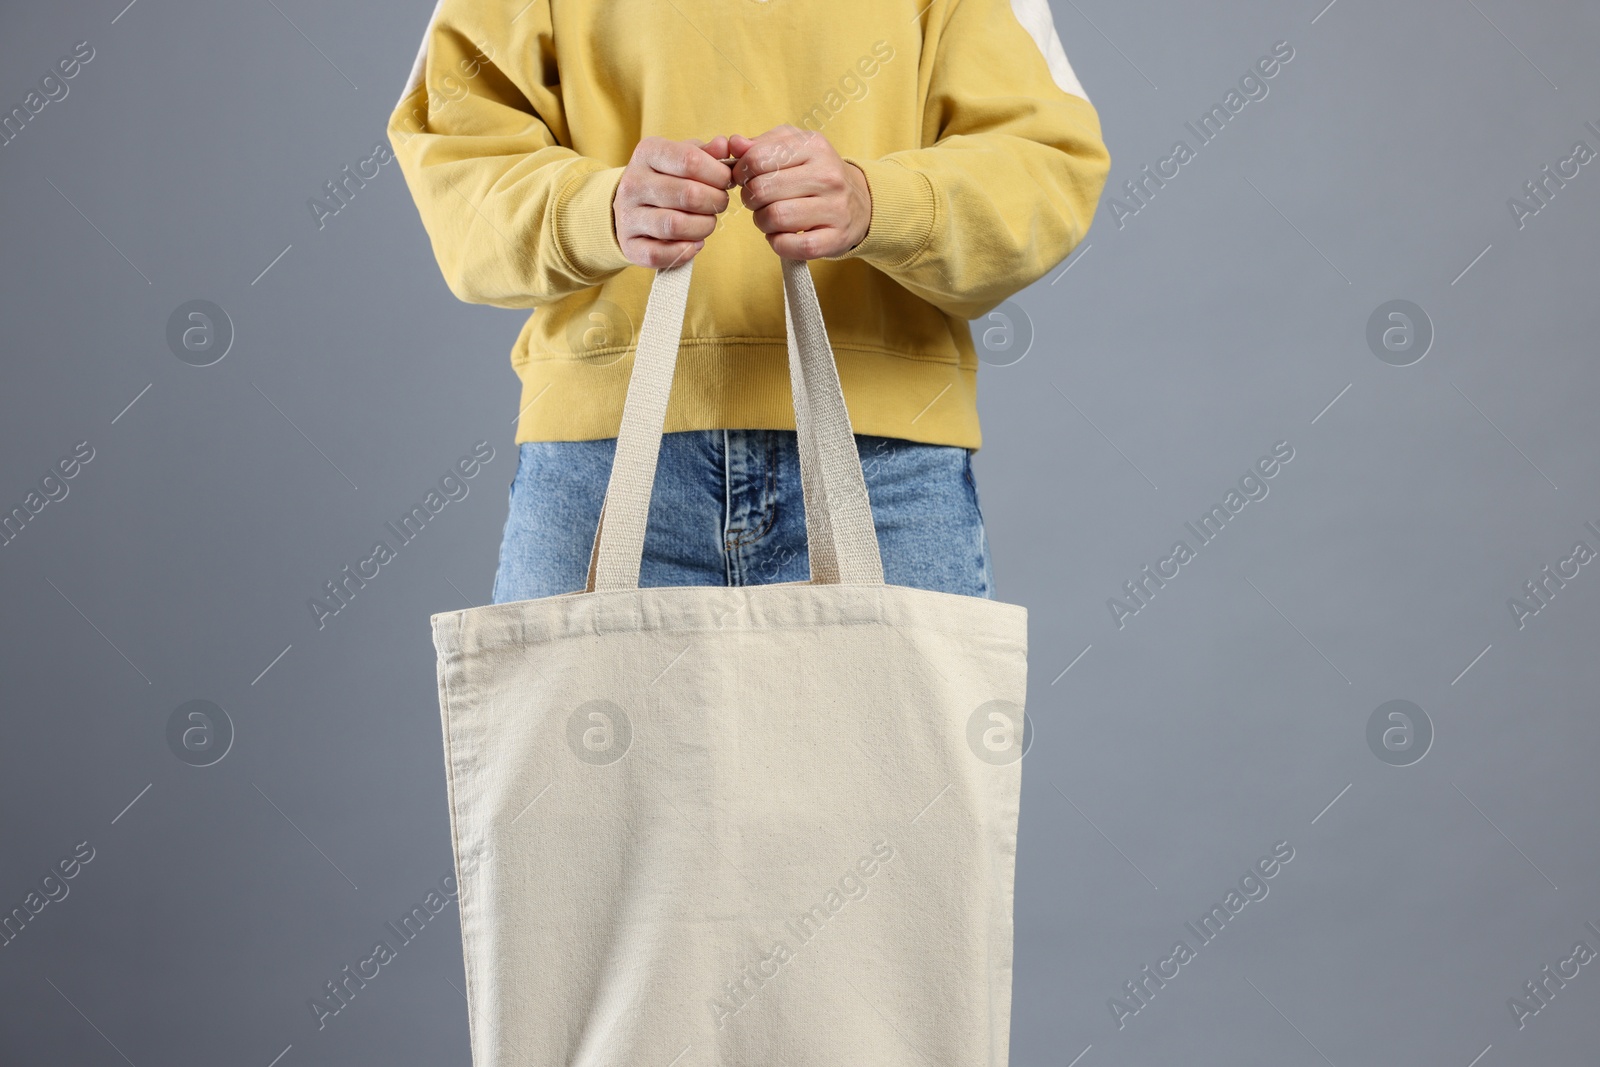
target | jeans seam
x=769, y=512
x=505, y=531
x=983, y=560
x=732, y=574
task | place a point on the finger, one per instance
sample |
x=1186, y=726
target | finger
x=774, y=152
x=681, y=194
x=812, y=244
x=665, y=225
x=807, y=179
x=716, y=148
x=746, y=142
x=792, y=216
x=683, y=160
x=662, y=254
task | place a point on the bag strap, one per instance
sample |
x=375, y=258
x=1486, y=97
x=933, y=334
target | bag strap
x=842, y=543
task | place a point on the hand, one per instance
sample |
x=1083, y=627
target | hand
x=668, y=199
x=810, y=203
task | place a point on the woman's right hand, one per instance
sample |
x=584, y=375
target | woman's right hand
x=669, y=198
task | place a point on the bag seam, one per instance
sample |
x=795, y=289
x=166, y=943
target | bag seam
x=448, y=665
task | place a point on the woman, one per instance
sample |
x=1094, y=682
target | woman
x=930, y=160
x=688, y=905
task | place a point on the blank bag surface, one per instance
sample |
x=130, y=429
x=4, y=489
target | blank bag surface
x=763, y=826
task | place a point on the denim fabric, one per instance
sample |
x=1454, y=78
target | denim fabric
x=727, y=510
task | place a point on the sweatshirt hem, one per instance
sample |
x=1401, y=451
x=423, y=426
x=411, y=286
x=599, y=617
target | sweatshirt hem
x=746, y=386
x=738, y=342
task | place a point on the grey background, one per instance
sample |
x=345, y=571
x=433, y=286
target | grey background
x=1231, y=713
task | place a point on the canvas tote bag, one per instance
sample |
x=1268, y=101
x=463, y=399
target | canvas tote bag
x=761, y=826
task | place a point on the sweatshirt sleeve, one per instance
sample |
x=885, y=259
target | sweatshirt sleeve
x=1012, y=172
x=517, y=217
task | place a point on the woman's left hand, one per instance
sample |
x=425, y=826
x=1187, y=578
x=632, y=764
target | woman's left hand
x=809, y=202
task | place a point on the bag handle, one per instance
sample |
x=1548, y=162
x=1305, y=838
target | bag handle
x=841, y=542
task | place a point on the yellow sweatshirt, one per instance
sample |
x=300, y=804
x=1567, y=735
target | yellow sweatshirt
x=981, y=151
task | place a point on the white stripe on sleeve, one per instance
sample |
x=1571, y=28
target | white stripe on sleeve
x=1036, y=19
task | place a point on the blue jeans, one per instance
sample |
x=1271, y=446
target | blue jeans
x=727, y=510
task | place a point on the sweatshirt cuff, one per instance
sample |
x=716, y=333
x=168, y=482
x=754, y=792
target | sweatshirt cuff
x=902, y=213
x=585, y=228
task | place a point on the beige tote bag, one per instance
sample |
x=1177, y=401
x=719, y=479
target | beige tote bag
x=760, y=826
